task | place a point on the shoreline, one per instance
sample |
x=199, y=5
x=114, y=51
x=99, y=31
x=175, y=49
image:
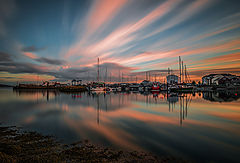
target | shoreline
x=17, y=145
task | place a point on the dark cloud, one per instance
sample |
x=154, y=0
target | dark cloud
x=9, y=77
x=113, y=70
x=4, y=57
x=50, y=61
x=16, y=68
x=164, y=71
x=215, y=71
x=32, y=49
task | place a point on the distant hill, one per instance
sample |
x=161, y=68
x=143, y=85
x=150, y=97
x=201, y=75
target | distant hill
x=4, y=85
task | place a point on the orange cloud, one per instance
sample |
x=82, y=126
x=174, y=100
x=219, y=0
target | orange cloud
x=122, y=35
x=224, y=58
x=30, y=55
x=103, y=11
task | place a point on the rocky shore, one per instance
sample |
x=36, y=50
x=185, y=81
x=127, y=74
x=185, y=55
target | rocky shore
x=17, y=145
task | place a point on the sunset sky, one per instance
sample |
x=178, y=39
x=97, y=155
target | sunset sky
x=61, y=40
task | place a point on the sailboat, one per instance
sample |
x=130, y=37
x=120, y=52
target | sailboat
x=97, y=87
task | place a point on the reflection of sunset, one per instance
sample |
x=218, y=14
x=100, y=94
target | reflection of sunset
x=36, y=95
x=131, y=121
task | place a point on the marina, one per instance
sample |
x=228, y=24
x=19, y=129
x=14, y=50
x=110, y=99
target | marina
x=174, y=83
x=126, y=81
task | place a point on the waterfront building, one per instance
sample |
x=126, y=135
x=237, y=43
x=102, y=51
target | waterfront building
x=172, y=79
x=221, y=79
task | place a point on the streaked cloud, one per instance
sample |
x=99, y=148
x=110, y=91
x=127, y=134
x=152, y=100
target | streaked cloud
x=101, y=12
x=132, y=37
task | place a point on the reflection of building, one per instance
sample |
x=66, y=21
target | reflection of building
x=172, y=99
x=221, y=79
x=172, y=79
x=221, y=96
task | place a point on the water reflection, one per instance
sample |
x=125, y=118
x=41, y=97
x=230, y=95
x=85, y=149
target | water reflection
x=184, y=125
x=106, y=101
x=222, y=96
x=33, y=94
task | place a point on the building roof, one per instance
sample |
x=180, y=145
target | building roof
x=212, y=75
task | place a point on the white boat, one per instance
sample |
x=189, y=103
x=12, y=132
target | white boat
x=97, y=89
x=141, y=89
x=119, y=89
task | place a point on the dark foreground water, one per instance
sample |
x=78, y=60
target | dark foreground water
x=201, y=127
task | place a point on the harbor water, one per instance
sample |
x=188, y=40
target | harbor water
x=202, y=127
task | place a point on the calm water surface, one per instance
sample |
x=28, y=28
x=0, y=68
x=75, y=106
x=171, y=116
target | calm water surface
x=203, y=127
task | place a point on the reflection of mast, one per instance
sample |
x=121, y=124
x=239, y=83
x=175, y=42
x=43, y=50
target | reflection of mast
x=47, y=95
x=184, y=106
x=105, y=100
x=98, y=110
x=180, y=110
x=169, y=106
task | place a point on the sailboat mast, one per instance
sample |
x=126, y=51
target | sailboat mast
x=182, y=73
x=186, y=80
x=98, y=71
x=106, y=75
x=180, y=69
x=122, y=76
x=119, y=76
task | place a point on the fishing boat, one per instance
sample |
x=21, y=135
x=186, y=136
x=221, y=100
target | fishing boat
x=155, y=88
